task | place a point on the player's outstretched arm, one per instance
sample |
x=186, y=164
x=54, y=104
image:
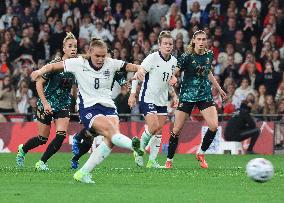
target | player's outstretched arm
x=36, y=75
x=140, y=71
x=215, y=83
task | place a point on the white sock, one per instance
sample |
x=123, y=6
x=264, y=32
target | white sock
x=200, y=151
x=155, y=147
x=122, y=141
x=171, y=160
x=97, y=156
x=145, y=138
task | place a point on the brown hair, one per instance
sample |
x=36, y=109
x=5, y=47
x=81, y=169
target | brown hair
x=191, y=46
x=164, y=34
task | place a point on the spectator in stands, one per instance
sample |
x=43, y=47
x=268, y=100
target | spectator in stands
x=137, y=27
x=126, y=22
x=173, y=15
x=230, y=29
x=120, y=37
x=178, y=48
x=196, y=15
x=230, y=69
x=269, y=78
x=179, y=29
x=254, y=46
x=5, y=66
x=239, y=43
x=156, y=11
x=87, y=28
x=6, y=19
x=276, y=60
x=249, y=59
x=8, y=103
x=32, y=110
x=269, y=107
x=262, y=96
x=242, y=126
x=242, y=92
x=121, y=101
x=23, y=95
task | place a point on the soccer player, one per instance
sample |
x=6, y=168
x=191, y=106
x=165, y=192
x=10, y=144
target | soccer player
x=54, y=103
x=82, y=141
x=94, y=74
x=153, y=97
x=196, y=65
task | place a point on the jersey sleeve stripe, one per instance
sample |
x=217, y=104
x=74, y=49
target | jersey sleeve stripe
x=145, y=86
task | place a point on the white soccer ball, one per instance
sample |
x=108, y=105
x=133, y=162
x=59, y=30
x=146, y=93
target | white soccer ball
x=260, y=170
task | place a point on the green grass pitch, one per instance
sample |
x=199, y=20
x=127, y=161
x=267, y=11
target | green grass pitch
x=119, y=180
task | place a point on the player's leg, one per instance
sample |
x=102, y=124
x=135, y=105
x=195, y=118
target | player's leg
x=150, y=114
x=77, y=139
x=97, y=156
x=61, y=123
x=41, y=139
x=180, y=117
x=249, y=133
x=155, y=143
x=209, y=113
x=83, y=146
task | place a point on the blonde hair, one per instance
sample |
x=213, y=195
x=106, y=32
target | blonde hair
x=191, y=46
x=95, y=42
x=164, y=34
x=69, y=35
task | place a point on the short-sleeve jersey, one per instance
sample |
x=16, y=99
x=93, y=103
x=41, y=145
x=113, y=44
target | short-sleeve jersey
x=94, y=85
x=195, y=85
x=155, y=87
x=57, y=89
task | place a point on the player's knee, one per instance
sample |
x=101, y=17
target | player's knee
x=176, y=130
x=42, y=140
x=213, y=127
x=154, y=128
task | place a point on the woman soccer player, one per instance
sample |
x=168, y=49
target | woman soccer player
x=54, y=103
x=82, y=141
x=153, y=97
x=196, y=63
x=94, y=74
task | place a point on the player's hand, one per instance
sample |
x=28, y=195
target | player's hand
x=139, y=75
x=223, y=94
x=47, y=108
x=174, y=102
x=132, y=100
x=173, y=80
x=35, y=75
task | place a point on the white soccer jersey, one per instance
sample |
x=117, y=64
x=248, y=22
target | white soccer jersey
x=155, y=87
x=94, y=86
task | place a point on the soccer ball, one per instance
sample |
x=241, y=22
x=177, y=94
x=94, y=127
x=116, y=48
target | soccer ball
x=260, y=170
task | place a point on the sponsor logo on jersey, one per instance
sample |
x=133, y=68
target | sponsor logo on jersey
x=151, y=106
x=89, y=116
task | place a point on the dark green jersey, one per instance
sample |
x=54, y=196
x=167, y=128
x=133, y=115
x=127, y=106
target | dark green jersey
x=195, y=85
x=57, y=89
